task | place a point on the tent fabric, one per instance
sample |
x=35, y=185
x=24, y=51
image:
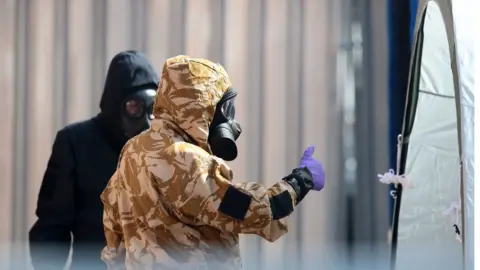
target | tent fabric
x=425, y=237
x=464, y=21
x=440, y=146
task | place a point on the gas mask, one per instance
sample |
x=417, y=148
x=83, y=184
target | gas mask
x=137, y=112
x=225, y=130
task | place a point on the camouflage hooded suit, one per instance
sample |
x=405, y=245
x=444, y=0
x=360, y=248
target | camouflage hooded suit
x=171, y=204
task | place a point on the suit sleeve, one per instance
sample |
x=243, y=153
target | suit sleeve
x=50, y=237
x=248, y=208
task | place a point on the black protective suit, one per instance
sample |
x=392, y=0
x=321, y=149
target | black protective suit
x=83, y=159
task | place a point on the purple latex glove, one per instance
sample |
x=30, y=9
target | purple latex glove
x=315, y=167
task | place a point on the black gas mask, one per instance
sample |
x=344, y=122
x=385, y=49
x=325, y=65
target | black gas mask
x=137, y=112
x=225, y=130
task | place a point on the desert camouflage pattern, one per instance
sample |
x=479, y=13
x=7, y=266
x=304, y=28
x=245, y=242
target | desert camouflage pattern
x=161, y=204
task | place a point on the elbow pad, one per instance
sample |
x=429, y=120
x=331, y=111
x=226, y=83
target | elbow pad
x=301, y=180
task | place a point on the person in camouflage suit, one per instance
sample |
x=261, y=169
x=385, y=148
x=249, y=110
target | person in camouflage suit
x=171, y=204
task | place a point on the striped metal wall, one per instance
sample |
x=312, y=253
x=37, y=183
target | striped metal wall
x=281, y=55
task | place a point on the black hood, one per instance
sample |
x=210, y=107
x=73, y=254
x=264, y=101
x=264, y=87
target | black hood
x=129, y=72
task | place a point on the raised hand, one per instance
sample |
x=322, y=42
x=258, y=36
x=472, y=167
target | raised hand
x=315, y=167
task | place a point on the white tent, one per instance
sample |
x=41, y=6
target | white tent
x=437, y=152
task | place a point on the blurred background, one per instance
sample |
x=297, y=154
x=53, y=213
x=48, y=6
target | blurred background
x=307, y=72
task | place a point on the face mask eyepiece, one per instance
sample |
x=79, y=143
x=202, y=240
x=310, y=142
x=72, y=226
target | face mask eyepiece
x=140, y=103
x=134, y=108
x=137, y=111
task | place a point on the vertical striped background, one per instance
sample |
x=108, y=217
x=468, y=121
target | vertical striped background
x=282, y=57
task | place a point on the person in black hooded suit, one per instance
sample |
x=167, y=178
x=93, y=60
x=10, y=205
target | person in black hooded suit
x=84, y=157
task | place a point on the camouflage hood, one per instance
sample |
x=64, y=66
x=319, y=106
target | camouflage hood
x=189, y=91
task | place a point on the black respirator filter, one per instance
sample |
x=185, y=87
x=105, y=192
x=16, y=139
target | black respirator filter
x=225, y=130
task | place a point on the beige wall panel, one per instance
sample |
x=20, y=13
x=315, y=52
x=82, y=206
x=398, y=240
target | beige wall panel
x=237, y=62
x=198, y=28
x=319, y=208
x=280, y=55
x=7, y=81
x=40, y=118
x=79, y=59
x=275, y=71
x=118, y=27
x=158, y=13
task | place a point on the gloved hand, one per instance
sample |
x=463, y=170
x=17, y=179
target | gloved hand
x=315, y=167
